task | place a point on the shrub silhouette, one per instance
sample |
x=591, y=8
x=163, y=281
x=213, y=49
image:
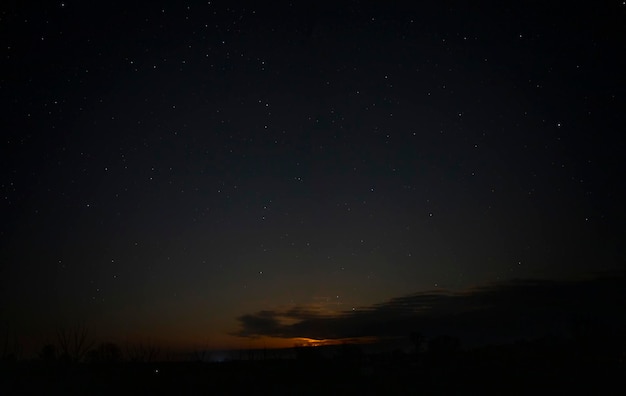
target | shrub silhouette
x=106, y=352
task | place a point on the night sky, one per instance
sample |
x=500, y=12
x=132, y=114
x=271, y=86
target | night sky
x=256, y=174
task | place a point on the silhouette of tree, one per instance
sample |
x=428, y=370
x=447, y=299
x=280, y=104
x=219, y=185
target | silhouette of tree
x=11, y=347
x=74, y=343
x=143, y=353
x=418, y=341
x=48, y=353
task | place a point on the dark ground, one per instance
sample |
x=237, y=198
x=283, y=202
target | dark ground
x=541, y=367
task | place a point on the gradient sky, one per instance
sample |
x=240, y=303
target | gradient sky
x=203, y=173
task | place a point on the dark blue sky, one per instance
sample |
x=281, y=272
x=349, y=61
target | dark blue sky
x=169, y=168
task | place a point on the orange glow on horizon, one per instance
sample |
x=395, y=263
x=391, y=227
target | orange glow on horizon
x=304, y=341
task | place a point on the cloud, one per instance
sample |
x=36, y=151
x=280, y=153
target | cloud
x=491, y=313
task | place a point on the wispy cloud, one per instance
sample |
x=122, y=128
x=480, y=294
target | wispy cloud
x=519, y=308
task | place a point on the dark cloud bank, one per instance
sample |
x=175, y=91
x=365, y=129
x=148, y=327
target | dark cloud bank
x=494, y=313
